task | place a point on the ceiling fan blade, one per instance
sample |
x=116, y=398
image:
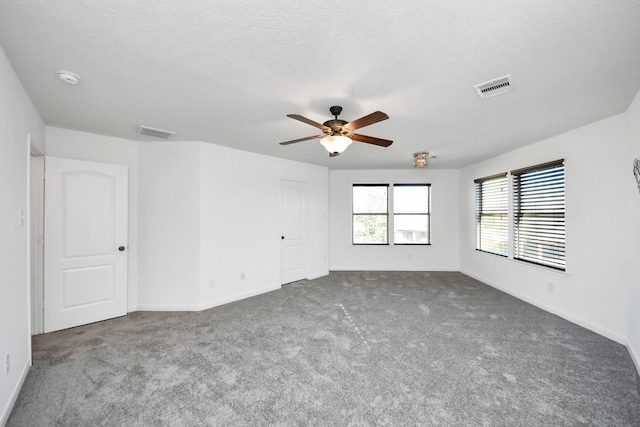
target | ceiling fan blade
x=370, y=119
x=293, y=141
x=370, y=140
x=309, y=122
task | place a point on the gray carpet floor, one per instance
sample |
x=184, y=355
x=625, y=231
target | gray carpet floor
x=349, y=349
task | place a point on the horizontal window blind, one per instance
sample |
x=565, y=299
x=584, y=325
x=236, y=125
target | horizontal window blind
x=539, y=214
x=492, y=214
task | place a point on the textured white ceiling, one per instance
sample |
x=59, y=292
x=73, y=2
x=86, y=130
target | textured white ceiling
x=227, y=71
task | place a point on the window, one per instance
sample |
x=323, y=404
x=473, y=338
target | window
x=492, y=214
x=412, y=214
x=539, y=214
x=370, y=214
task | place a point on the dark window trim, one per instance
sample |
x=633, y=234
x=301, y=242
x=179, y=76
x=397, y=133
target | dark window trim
x=428, y=213
x=413, y=185
x=540, y=166
x=488, y=178
x=492, y=253
x=541, y=264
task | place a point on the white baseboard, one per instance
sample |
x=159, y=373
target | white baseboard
x=237, y=297
x=167, y=307
x=14, y=395
x=207, y=305
x=634, y=357
x=318, y=275
x=571, y=318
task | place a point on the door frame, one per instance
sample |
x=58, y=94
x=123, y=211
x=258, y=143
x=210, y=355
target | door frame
x=36, y=239
x=306, y=215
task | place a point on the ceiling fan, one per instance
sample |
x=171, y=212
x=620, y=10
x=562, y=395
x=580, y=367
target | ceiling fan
x=337, y=134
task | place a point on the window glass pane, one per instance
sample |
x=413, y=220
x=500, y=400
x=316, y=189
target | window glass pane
x=369, y=199
x=411, y=209
x=370, y=214
x=369, y=229
x=411, y=229
x=411, y=199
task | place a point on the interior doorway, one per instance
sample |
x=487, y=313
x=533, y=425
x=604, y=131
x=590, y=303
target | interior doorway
x=293, y=248
x=36, y=239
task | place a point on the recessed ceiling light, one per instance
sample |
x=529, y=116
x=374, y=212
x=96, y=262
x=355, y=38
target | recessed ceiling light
x=68, y=77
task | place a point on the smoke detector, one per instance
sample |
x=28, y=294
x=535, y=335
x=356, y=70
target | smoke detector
x=494, y=87
x=156, y=133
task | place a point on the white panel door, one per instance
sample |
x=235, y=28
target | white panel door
x=293, y=251
x=85, y=242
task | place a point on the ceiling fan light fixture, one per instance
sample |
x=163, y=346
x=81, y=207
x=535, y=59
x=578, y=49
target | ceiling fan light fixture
x=420, y=160
x=335, y=143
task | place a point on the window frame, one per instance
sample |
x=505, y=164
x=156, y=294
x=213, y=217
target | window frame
x=355, y=214
x=428, y=214
x=546, y=213
x=502, y=214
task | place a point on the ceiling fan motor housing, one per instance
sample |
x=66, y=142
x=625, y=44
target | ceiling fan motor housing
x=335, y=125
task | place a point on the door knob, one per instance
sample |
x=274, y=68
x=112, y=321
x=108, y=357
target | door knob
x=121, y=248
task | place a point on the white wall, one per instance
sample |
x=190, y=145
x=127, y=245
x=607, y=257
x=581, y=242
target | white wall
x=633, y=231
x=442, y=254
x=18, y=118
x=594, y=290
x=97, y=148
x=240, y=222
x=209, y=213
x=169, y=226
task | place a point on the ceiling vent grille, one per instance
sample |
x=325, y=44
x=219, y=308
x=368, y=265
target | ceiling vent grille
x=156, y=133
x=494, y=87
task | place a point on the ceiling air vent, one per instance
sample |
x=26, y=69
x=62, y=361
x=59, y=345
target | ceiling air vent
x=157, y=133
x=494, y=87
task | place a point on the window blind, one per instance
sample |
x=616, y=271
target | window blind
x=492, y=214
x=539, y=214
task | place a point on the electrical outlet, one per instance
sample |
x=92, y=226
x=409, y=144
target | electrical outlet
x=7, y=363
x=212, y=283
x=242, y=276
x=551, y=287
